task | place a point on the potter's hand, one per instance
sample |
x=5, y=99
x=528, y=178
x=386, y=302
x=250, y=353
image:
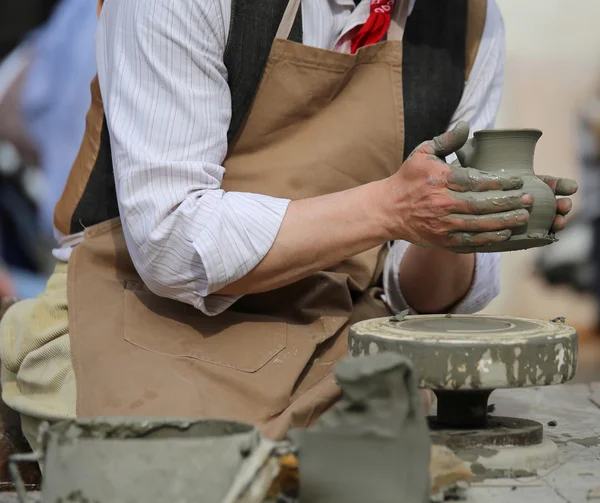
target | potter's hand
x=561, y=187
x=432, y=203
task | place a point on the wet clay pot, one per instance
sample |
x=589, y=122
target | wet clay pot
x=510, y=152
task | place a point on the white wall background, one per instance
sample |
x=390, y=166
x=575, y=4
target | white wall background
x=552, y=61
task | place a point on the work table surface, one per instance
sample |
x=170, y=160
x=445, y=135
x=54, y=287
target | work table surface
x=576, y=410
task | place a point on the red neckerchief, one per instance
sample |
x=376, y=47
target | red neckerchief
x=376, y=26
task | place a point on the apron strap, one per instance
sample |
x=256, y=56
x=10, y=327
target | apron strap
x=287, y=21
x=396, y=29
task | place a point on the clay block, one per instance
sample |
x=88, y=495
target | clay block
x=373, y=445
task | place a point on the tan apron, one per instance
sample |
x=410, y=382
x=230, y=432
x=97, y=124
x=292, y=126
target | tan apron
x=321, y=122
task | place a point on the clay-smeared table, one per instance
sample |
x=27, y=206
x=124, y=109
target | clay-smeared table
x=463, y=359
x=577, y=434
x=576, y=476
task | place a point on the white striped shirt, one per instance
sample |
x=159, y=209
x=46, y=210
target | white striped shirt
x=168, y=106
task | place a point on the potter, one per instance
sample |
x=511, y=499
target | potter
x=242, y=197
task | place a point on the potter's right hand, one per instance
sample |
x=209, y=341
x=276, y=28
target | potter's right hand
x=431, y=203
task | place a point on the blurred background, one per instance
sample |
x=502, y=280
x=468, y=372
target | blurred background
x=552, y=83
x=47, y=62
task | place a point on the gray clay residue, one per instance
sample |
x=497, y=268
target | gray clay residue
x=481, y=473
x=586, y=442
x=474, y=454
x=76, y=497
x=135, y=428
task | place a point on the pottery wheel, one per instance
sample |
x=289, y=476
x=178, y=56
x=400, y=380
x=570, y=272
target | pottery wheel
x=463, y=358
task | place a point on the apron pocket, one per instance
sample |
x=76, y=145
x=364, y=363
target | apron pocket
x=241, y=341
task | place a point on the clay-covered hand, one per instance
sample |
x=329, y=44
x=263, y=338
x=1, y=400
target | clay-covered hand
x=561, y=187
x=432, y=203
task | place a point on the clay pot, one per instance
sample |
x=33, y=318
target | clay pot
x=510, y=152
x=143, y=460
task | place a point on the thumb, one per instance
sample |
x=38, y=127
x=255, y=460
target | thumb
x=446, y=143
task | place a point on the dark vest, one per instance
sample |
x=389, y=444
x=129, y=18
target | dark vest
x=433, y=77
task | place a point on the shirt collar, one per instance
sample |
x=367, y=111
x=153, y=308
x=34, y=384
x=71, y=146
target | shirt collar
x=350, y=3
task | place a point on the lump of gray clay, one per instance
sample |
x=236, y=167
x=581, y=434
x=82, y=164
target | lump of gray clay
x=373, y=445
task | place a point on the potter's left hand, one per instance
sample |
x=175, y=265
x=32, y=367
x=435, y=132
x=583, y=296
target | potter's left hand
x=561, y=187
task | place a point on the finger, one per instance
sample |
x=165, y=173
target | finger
x=560, y=186
x=477, y=239
x=559, y=223
x=473, y=180
x=447, y=143
x=564, y=206
x=478, y=204
x=486, y=223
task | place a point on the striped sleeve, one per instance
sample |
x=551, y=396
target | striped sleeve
x=168, y=107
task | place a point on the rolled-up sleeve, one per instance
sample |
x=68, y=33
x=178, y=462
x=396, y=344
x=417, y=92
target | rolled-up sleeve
x=484, y=288
x=478, y=106
x=168, y=107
